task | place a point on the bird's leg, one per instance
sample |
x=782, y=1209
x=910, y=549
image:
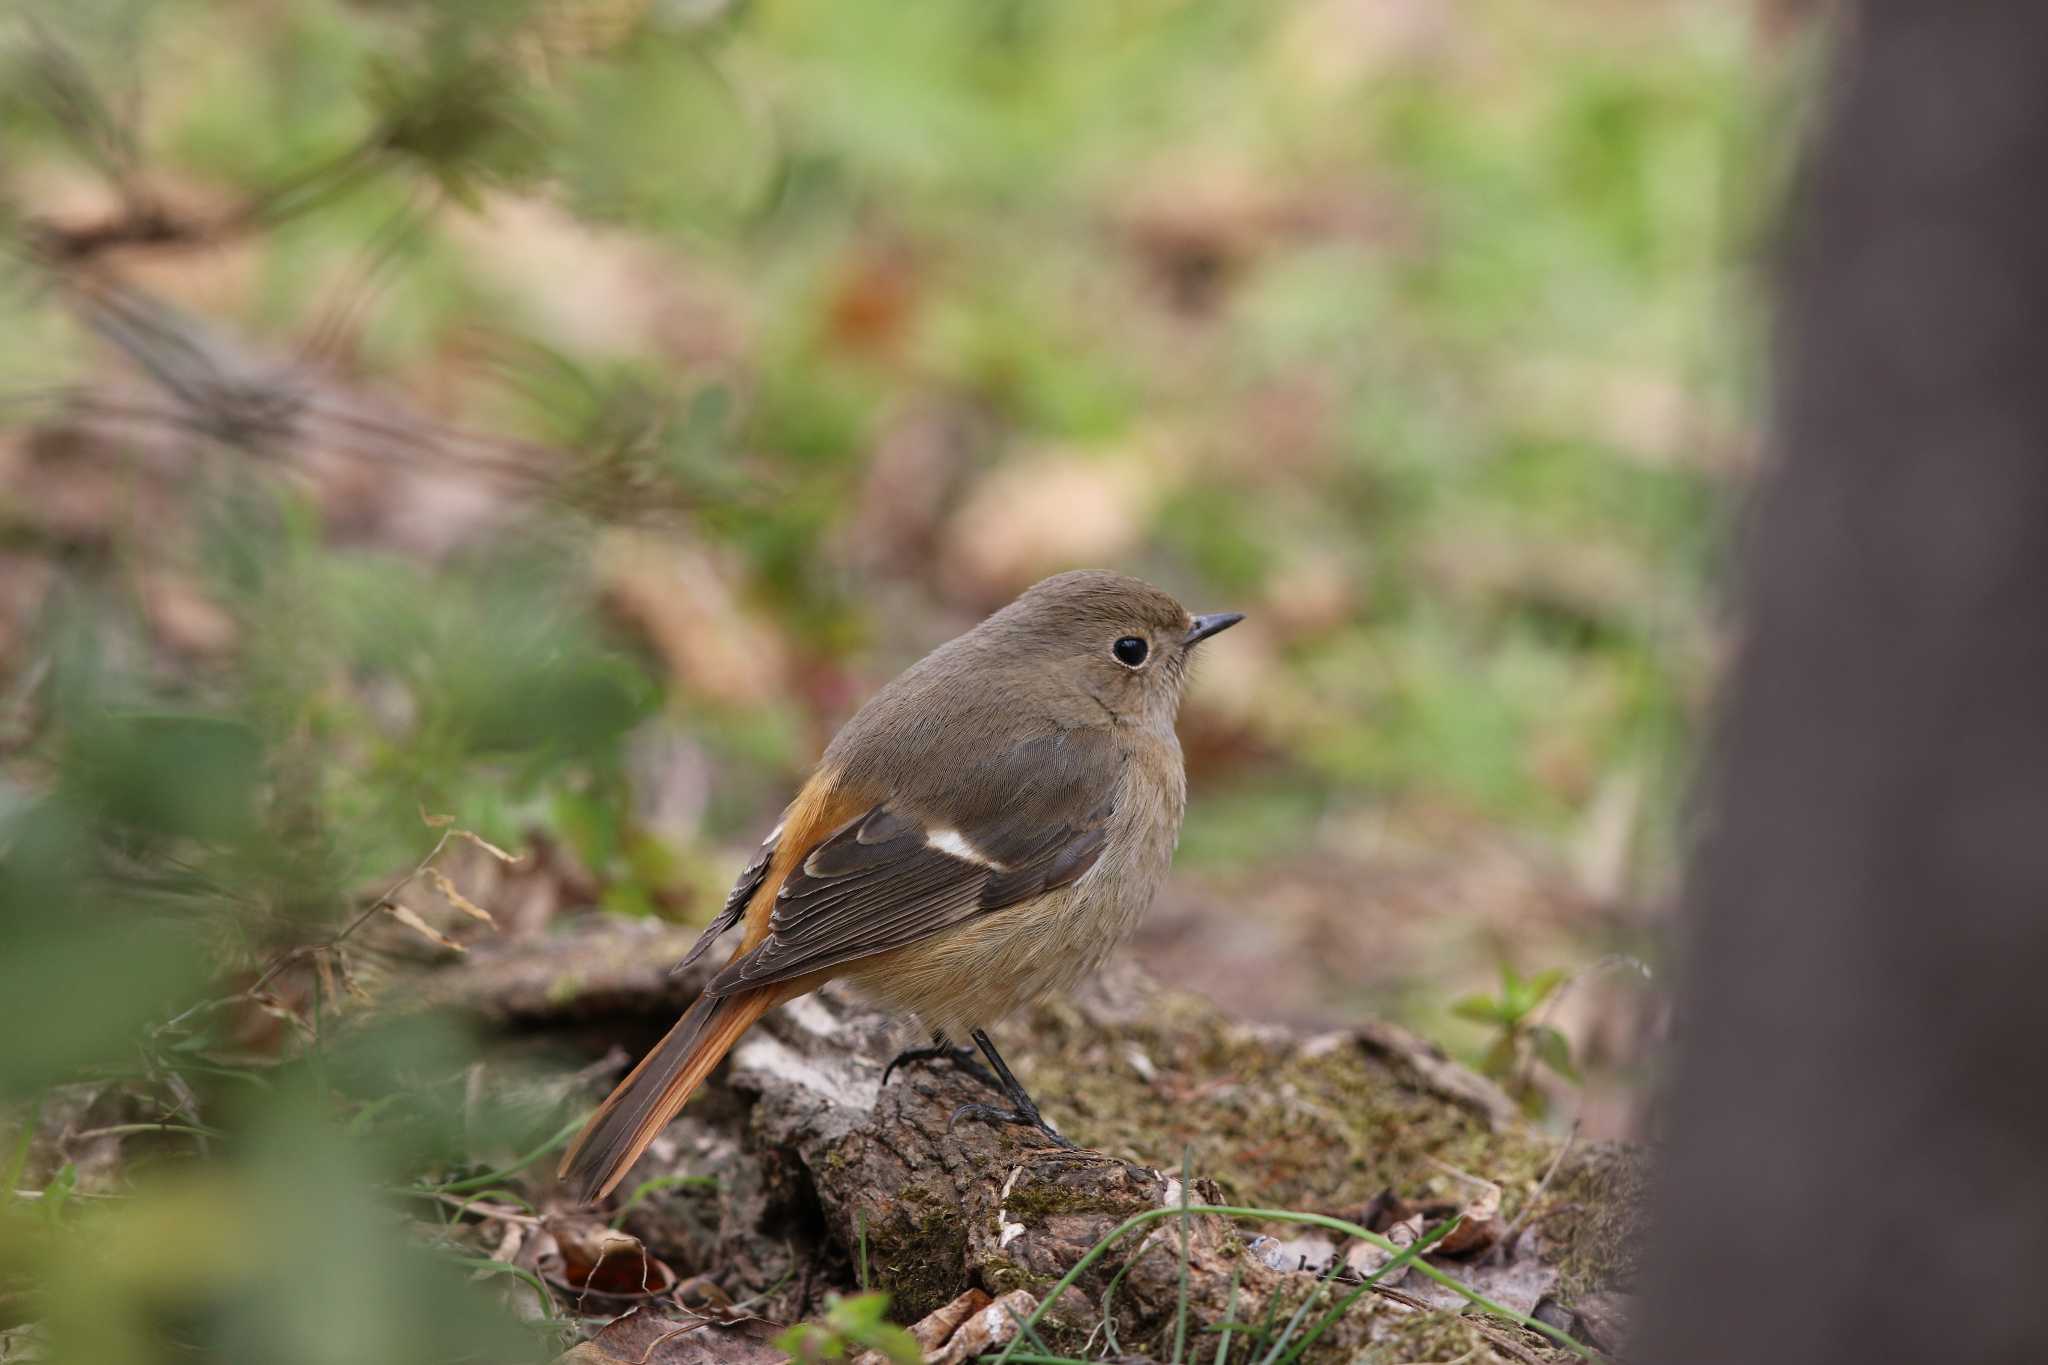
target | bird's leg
x=942, y=1047
x=1021, y=1111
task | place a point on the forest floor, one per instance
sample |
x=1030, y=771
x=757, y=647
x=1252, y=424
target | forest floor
x=798, y=1176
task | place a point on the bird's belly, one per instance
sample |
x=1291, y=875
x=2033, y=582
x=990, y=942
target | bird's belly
x=973, y=975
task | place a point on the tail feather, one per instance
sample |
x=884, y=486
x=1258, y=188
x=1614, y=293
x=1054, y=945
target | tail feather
x=656, y=1090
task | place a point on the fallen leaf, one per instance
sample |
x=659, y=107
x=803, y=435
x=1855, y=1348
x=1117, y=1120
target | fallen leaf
x=932, y=1330
x=987, y=1327
x=1479, y=1225
x=593, y=1258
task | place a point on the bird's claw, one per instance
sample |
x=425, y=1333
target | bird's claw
x=1022, y=1118
x=963, y=1058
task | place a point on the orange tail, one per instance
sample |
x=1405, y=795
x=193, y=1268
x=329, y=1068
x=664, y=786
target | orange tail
x=657, y=1089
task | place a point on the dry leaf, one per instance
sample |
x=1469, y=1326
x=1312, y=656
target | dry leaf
x=435, y=821
x=591, y=1257
x=990, y=1326
x=1478, y=1221
x=278, y=1010
x=935, y=1327
x=487, y=846
x=404, y=915
x=457, y=899
x=323, y=966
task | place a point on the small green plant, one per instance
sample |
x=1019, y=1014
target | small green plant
x=850, y=1326
x=1521, y=1038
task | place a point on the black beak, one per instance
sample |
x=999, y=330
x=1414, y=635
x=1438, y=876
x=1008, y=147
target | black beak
x=1214, y=623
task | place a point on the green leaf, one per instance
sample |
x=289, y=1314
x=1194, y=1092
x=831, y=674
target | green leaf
x=1555, y=1052
x=857, y=1313
x=1543, y=983
x=1482, y=1009
x=807, y=1341
x=57, y=1193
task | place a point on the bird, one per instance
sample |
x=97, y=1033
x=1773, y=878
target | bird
x=981, y=834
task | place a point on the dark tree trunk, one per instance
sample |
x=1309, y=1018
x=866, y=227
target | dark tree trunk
x=1858, y=1157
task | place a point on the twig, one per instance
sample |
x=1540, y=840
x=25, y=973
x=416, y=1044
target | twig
x=498, y=1212
x=1493, y=1335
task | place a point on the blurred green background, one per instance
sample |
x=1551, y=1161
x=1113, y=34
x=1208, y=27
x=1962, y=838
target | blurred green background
x=559, y=416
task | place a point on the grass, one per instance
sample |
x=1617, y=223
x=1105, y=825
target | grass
x=1401, y=1257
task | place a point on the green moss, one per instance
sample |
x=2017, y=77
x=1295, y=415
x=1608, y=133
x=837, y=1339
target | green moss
x=1278, y=1127
x=1035, y=1202
x=916, y=1246
x=1594, y=1236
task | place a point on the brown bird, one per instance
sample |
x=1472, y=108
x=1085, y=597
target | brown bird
x=980, y=835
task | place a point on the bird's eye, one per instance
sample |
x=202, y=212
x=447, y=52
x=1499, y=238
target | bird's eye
x=1129, y=651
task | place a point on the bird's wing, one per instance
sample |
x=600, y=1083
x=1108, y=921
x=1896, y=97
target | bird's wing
x=1027, y=820
x=736, y=900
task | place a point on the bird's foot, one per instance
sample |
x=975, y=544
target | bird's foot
x=963, y=1058
x=1025, y=1115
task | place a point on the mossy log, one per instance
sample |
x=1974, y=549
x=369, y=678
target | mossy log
x=833, y=1179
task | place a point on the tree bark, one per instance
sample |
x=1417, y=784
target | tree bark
x=1859, y=1133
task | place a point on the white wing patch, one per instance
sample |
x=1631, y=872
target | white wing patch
x=949, y=841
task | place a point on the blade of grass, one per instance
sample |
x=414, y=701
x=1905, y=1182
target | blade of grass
x=1421, y=1244
x=1264, y=1330
x=1138, y=1220
x=1025, y=1332
x=490, y=1178
x=1180, y=1314
x=1229, y=1313
x=18, y=1162
x=489, y=1266
x=1308, y=1301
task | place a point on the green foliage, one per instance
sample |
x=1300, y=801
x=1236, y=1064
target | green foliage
x=1520, y=1037
x=852, y=1324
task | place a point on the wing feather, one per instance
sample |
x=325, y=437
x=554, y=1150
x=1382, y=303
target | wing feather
x=736, y=900
x=1036, y=820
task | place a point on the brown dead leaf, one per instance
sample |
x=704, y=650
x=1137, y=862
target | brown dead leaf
x=457, y=899
x=411, y=920
x=435, y=821
x=1479, y=1225
x=487, y=846
x=933, y=1329
x=330, y=986
x=184, y=617
x=685, y=600
x=986, y=1328
x=644, y=1338
x=1032, y=516
x=590, y=1257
